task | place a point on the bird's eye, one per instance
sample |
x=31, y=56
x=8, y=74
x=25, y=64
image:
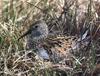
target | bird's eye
x=36, y=27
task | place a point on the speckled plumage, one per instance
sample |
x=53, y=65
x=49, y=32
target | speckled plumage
x=35, y=35
x=53, y=48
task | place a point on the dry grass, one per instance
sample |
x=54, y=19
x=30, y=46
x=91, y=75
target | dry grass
x=67, y=17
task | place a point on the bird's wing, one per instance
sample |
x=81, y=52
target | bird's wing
x=62, y=46
x=59, y=47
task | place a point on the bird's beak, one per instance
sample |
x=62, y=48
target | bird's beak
x=25, y=34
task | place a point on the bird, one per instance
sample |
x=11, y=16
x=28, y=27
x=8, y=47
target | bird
x=54, y=48
x=35, y=35
x=37, y=31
